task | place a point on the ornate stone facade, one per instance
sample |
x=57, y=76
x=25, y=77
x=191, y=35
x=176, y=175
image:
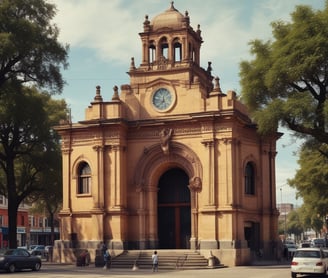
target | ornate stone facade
x=170, y=161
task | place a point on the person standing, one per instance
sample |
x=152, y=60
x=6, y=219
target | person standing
x=107, y=259
x=155, y=261
x=103, y=248
x=106, y=255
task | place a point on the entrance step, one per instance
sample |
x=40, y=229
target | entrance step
x=168, y=259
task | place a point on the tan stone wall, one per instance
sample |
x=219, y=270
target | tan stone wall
x=211, y=138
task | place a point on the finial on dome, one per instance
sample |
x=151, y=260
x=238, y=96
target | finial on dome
x=209, y=67
x=115, y=95
x=132, y=64
x=98, y=96
x=146, y=24
x=186, y=19
x=172, y=7
x=217, y=87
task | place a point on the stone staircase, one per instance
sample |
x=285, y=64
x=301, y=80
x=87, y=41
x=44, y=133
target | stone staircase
x=168, y=259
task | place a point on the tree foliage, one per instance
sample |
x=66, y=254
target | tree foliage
x=49, y=200
x=31, y=60
x=29, y=47
x=295, y=225
x=286, y=82
x=311, y=180
x=27, y=146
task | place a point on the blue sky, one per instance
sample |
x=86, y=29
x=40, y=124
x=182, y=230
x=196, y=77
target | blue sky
x=104, y=34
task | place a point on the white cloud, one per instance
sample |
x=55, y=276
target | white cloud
x=111, y=27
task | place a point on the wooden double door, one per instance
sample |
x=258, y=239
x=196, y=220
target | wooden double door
x=174, y=211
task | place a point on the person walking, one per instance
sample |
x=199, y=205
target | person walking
x=155, y=261
x=107, y=259
x=106, y=256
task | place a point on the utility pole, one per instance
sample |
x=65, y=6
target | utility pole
x=283, y=211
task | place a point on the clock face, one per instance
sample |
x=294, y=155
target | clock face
x=162, y=99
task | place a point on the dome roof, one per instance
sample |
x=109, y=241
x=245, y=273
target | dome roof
x=171, y=18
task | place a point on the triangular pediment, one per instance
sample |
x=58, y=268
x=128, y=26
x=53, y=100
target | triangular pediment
x=161, y=82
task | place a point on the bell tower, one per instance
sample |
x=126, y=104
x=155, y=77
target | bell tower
x=170, y=63
x=169, y=41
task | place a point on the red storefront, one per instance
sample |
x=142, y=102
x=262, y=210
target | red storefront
x=22, y=226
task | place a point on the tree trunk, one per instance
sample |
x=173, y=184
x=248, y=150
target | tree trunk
x=12, y=203
x=52, y=226
x=12, y=216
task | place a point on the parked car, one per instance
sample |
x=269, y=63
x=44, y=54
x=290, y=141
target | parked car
x=289, y=250
x=17, y=259
x=309, y=261
x=40, y=251
x=318, y=242
x=48, y=248
x=30, y=248
x=23, y=247
x=305, y=244
x=38, y=248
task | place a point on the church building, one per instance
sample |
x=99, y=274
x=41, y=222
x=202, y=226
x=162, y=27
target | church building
x=170, y=162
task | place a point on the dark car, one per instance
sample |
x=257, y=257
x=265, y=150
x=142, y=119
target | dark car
x=17, y=259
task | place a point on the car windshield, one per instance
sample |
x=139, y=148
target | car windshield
x=307, y=254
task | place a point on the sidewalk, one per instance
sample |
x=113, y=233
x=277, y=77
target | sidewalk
x=254, y=263
x=270, y=262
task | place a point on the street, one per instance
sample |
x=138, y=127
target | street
x=71, y=271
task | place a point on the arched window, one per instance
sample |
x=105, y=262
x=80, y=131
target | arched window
x=164, y=48
x=84, y=180
x=177, y=52
x=249, y=179
x=152, y=53
x=191, y=53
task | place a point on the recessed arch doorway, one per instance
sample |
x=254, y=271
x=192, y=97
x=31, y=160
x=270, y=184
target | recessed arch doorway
x=174, y=210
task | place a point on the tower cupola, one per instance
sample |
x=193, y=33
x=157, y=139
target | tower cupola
x=168, y=41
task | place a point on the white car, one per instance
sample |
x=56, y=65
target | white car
x=309, y=261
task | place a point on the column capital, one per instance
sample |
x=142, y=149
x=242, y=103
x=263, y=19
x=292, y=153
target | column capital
x=208, y=142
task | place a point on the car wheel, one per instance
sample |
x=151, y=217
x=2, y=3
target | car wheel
x=11, y=268
x=294, y=275
x=36, y=267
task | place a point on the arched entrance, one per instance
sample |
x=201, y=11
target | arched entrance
x=174, y=211
x=252, y=235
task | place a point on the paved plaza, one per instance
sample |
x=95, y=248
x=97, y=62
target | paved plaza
x=50, y=270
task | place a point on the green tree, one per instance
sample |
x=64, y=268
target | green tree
x=30, y=55
x=294, y=224
x=49, y=200
x=29, y=47
x=305, y=215
x=281, y=227
x=27, y=141
x=311, y=183
x=286, y=82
